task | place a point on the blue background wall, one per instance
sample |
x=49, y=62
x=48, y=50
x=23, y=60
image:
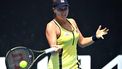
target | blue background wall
x=23, y=22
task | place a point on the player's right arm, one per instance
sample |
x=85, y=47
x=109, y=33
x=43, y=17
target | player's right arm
x=51, y=35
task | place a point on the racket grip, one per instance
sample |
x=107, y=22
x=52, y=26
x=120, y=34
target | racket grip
x=50, y=50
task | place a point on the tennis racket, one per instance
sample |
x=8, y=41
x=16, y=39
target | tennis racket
x=15, y=55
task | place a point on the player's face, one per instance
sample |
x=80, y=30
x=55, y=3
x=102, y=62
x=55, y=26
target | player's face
x=63, y=12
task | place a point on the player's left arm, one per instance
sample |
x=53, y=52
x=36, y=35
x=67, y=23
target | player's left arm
x=86, y=41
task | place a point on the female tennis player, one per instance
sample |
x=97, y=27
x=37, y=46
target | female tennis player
x=63, y=34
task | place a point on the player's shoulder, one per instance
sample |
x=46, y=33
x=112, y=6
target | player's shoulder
x=71, y=19
x=51, y=23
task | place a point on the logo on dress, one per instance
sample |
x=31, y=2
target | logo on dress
x=66, y=34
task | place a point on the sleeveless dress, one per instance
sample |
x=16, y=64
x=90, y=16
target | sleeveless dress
x=67, y=58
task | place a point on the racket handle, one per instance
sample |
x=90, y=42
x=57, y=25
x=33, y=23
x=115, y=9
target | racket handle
x=50, y=50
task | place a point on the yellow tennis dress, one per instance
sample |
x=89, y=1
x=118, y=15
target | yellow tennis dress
x=67, y=58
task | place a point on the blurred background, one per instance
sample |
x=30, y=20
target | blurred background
x=23, y=22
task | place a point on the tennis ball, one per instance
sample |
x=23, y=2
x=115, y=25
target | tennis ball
x=23, y=64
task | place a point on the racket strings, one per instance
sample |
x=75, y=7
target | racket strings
x=15, y=55
x=27, y=54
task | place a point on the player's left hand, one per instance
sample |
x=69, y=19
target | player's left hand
x=101, y=32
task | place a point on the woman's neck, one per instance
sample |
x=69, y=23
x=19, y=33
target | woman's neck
x=64, y=23
x=61, y=19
